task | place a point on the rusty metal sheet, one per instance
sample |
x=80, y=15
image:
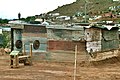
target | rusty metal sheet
x=34, y=29
x=65, y=45
x=35, y=34
x=17, y=26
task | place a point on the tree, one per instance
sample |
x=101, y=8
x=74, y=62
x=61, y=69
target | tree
x=30, y=18
x=3, y=21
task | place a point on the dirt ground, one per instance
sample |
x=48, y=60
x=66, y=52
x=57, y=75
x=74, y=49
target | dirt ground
x=50, y=70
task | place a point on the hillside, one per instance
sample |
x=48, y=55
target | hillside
x=93, y=7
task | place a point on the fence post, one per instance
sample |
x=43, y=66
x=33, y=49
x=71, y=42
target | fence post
x=75, y=62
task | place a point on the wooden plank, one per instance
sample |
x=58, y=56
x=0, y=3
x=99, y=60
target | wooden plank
x=25, y=56
x=14, y=53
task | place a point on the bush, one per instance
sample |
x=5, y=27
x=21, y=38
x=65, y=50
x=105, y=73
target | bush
x=6, y=39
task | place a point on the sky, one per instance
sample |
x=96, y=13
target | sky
x=9, y=9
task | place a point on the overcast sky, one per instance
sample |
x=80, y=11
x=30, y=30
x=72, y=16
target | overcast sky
x=10, y=8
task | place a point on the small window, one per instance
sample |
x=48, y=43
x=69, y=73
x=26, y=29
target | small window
x=36, y=44
x=18, y=44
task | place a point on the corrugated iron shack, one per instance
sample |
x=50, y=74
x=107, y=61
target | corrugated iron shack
x=101, y=38
x=62, y=40
x=90, y=38
x=63, y=37
x=25, y=34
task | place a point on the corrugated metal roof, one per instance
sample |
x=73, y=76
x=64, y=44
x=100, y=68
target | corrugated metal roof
x=21, y=26
x=65, y=27
x=108, y=27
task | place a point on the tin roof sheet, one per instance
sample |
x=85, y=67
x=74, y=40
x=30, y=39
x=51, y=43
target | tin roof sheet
x=108, y=27
x=65, y=27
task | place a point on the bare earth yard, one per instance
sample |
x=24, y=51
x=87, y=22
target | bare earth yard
x=51, y=70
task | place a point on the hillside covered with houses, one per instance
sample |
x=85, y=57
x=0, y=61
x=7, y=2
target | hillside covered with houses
x=82, y=11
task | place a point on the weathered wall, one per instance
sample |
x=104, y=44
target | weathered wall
x=30, y=34
x=63, y=51
x=65, y=34
x=66, y=45
x=62, y=42
x=93, y=37
x=93, y=46
x=110, y=39
x=17, y=35
x=101, y=39
x=93, y=34
x=43, y=43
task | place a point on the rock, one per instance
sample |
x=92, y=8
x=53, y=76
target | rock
x=2, y=51
x=7, y=50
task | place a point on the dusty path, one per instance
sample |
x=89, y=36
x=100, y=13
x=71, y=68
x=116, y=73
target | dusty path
x=44, y=70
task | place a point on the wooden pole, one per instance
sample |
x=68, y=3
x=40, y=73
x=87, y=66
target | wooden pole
x=16, y=61
x=30, y=50
x=24, y=53
x=11, y=61
x=75, y=63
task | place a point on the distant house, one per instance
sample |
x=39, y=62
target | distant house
x=110, y=15
x=54, y=14
x=116, y=0
x=62, y=18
